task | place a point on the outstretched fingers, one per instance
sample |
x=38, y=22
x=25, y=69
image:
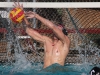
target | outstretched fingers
x=17, y=5
x=29, y=14
x=20, y=5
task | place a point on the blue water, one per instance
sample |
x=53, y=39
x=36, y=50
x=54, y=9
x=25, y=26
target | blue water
x=36, y=70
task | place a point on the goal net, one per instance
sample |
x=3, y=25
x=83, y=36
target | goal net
x=82, y=25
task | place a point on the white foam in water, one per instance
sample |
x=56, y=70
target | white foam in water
x=21, y=63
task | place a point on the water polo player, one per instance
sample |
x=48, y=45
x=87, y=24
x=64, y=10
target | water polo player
x=56, y=49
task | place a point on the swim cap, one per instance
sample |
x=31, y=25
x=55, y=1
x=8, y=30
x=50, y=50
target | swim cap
x=64, y=30
x=95, y=71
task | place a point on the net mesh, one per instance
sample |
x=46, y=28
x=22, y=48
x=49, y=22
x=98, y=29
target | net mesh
x=82, y=25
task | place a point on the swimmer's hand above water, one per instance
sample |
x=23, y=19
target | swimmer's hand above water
x=30, y=14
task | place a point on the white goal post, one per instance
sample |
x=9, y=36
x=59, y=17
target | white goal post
x=53, y=4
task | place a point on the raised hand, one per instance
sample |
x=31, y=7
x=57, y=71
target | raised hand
x=18, y=5
x=30, y=14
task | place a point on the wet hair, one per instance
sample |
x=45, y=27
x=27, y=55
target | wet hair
x=64, y=30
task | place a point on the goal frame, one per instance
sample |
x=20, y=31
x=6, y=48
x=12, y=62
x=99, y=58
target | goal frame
x=53, y=4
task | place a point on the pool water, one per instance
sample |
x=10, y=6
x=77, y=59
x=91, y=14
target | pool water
x=82, y=69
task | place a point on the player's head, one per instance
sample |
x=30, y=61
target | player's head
x=95, y=71
x=63, y=29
